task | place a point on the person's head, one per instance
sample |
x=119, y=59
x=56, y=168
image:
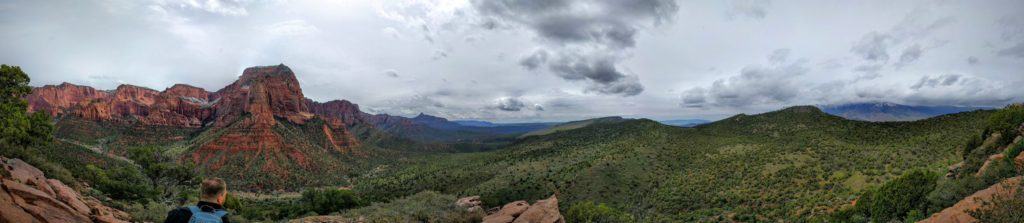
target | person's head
x=213, y=190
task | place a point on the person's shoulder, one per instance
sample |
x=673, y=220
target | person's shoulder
x=183, y=209
x=180, y=214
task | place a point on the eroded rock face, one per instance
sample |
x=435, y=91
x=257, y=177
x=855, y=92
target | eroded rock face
x=27, y=196
x=958, y=213
x=264, y=92
x=57, y=99
x=180, y=105
x=242, y=117
x=542, y=211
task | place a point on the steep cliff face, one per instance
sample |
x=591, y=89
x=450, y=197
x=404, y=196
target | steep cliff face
x=258, y=123
x=57, y=99
x=265, y=93
x=180, y=105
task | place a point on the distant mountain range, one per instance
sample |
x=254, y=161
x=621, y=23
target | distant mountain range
x=685, y=122
x=886, y=111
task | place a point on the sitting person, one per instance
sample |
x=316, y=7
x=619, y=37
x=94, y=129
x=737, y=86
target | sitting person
x=210, y=209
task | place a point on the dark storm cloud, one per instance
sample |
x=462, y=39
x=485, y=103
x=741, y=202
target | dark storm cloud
x=583, y=40
x=755, y=85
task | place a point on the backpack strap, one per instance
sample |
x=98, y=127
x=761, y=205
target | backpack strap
x=194, y=209
x=220, y=213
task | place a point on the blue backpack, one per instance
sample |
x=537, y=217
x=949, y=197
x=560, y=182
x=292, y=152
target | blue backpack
x=200, y=216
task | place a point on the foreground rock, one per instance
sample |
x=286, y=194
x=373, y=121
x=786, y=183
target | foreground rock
x=542, y=211
x=27, y=196
x=958, y=213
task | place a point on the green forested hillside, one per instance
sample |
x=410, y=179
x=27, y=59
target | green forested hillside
x=795, y=163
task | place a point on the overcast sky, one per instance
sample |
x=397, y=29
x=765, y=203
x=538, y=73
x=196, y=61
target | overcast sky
x=539, y=60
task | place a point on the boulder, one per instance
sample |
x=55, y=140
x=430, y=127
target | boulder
x=1019, y=160
x=988, y=162
x=42, y=205
x=27, y=174
x=11, y=212
x=543, y=211
x=69, y=196
x=507, y=213
x=26, y=195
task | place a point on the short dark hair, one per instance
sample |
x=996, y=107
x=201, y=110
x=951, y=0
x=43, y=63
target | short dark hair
x=212, y=187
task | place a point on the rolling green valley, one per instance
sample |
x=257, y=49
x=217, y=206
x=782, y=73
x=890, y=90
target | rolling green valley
x=511, y=111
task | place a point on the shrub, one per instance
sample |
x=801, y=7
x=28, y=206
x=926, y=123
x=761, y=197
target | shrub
x=1006, y=121
x=896, y=198
x=328, y=200
x=1001, y=209
x=589, y=212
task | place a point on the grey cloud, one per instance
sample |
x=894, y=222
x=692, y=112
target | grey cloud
x=625, y=86
x=750, y=8
x=959, y=89
x=538, y=107
x=217, y=7
x=509, y=104
x=1013, y=51
x=873, y=46
x=755, y=85
x=694, y=98
x=534, y=60
x=391, y=73
x=584, y=40
x=439, y=54
x=972, y=60
x=910, y=54
x=941, y=80
x=779, y=56
x=577, y=67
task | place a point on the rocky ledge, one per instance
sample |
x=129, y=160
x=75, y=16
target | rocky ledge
x=26, y=195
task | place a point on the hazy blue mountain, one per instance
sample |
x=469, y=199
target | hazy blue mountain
x=475, y=123
x=685, y=122
x=886, y=111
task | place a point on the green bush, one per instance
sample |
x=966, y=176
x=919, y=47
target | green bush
x=589, y=212
x=896, y=198
x=1006, y=121
x=328, y=200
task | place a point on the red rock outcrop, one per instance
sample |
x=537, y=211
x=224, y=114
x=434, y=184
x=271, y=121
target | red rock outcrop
x=242, y=117
x=57, y=99
x=265, y=92
x=340, y=112
x=542, y=211
x=959, y=212
x=180, y=105
x=27, y=196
